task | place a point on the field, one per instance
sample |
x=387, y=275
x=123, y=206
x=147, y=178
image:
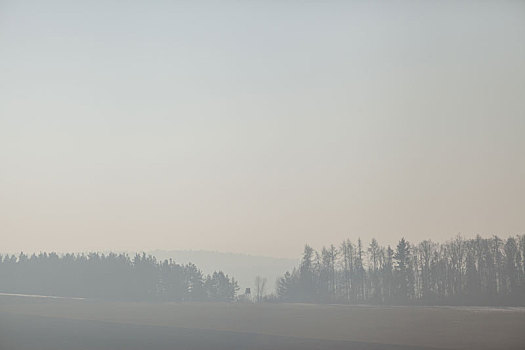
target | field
x=34, y=323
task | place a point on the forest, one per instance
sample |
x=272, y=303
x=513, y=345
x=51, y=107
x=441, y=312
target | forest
x=479, y=271
x=112, y=276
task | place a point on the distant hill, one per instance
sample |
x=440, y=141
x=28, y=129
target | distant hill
x=241, y=266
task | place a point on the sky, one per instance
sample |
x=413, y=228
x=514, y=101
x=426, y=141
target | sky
x=259, y=126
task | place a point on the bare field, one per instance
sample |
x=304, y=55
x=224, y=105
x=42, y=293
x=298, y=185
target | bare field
x=261, y=326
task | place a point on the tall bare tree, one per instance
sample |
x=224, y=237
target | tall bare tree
x=260, y=288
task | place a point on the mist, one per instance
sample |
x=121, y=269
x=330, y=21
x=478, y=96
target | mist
x=262, y=174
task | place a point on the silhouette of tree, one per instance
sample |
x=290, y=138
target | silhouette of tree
x=260, y=288
x=479, y=271
x=111, y=276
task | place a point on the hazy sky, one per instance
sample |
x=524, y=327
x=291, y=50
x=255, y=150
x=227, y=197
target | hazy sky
x=258, y=126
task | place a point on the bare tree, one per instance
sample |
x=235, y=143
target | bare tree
x=260, y=286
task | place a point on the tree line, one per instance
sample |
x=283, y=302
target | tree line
x=112, y=276
x=478, y=271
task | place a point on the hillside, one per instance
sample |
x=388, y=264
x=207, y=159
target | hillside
x=242, y=267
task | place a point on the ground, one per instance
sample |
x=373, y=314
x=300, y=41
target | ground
x=35, y=323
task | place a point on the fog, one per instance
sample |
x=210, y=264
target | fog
x=262, y=174
x=227, y=126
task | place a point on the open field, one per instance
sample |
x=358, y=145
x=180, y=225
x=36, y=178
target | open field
x=31, y=323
